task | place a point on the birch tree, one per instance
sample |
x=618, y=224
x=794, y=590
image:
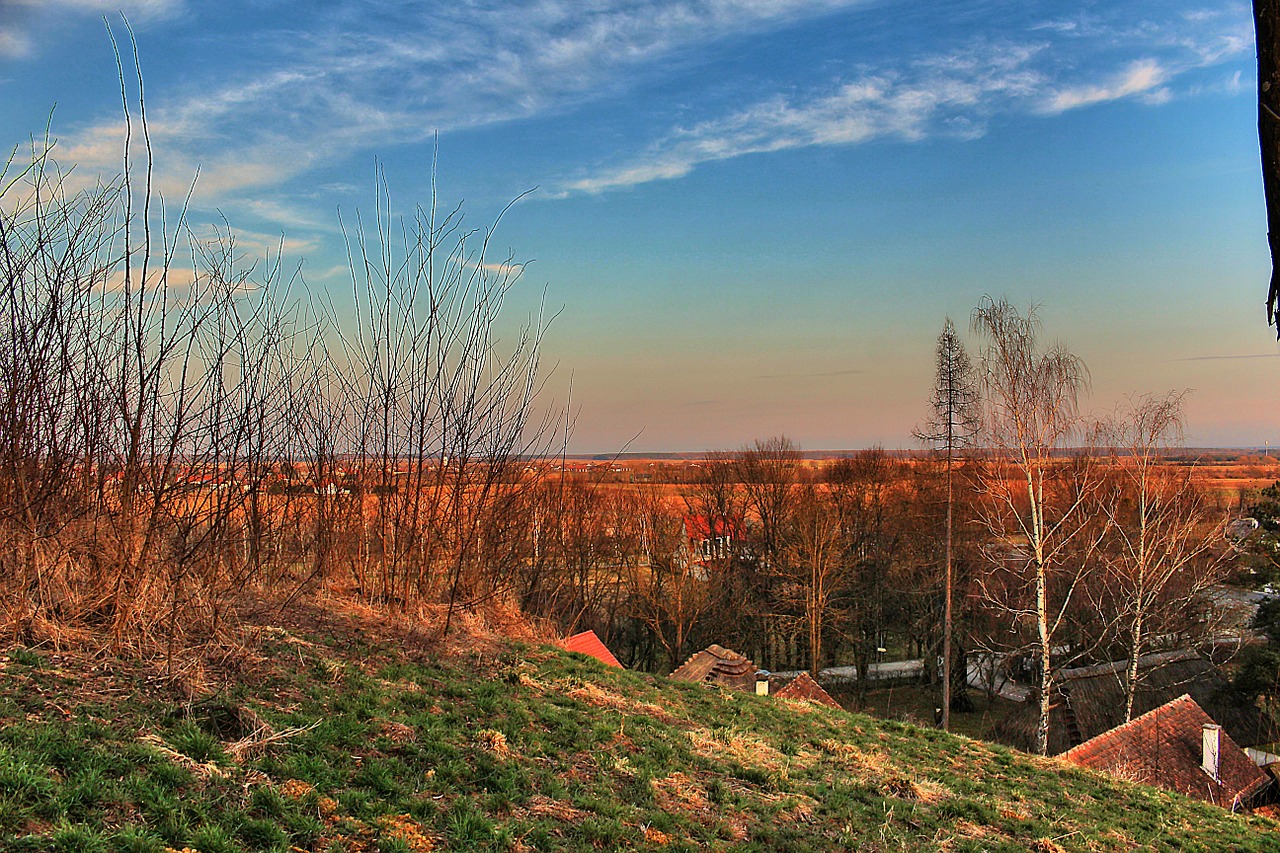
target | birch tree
x=1160, y=567
x=1032, y=499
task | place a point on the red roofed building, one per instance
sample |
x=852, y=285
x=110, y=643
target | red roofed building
x=709, y=538
x=587, y=643
x=803, y=687
x=1177, y=747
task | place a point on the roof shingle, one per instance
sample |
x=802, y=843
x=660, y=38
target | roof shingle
x=1163, y=747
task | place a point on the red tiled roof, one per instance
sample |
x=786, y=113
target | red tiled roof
x=588, y=643
x=804, y=687
x=698, y=527
x=1163, y=747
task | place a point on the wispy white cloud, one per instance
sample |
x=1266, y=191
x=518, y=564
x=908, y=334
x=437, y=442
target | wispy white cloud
x=952, y=94
x=138, y=10
x=141, y=9
x=345, y=83
x=13, y=44
x=18, y=18
x=1145, y=77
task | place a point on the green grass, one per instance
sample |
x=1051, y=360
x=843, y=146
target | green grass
x=379, y=749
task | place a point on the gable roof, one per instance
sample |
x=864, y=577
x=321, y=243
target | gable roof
x=588, y=643
x=1090, y=700
x=1163, y=747
x=702, y=527
x=803, y=687
x=718, y=665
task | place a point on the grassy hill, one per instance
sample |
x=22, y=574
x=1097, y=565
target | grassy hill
x=322, y=732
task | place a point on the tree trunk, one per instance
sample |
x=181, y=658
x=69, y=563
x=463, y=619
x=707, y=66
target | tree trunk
x=946, y=614
x=1266, y=18
x=1046, y=663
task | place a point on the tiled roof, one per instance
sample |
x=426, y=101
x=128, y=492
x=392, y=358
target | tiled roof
x=1088, y=701
x=804, y=687
x=1163, y=747
x=588, y=643
x=719, y=665
x=702, y=527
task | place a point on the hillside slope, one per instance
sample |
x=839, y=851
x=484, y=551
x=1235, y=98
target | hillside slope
x=330, y=735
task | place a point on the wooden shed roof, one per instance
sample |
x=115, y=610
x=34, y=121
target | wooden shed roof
x=718, y=665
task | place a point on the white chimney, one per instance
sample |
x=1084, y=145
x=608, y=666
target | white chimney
x=1211, y=740
x=762, y=686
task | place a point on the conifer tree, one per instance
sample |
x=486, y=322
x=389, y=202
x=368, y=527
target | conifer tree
x=951, y=427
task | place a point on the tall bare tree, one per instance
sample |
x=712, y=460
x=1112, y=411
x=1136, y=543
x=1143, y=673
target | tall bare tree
x=1159, y=563
x=951, y=427
x=1033, y=500
x=868, y=493
x=812, y=567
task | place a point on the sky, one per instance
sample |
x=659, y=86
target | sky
x=752, y=216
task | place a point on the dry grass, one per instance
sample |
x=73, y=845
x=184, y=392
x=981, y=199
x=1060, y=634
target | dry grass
x=543, y=806
x=598, y=696
x=747, y=749
x=257, y=741
x=405, y=829
x=681, y=792
x=202, y=769
x=493, y=741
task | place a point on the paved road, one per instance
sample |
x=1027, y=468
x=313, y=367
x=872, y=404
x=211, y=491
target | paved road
x=875, y=672
x=902, y=669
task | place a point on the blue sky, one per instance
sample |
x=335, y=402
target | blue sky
x=755, y=214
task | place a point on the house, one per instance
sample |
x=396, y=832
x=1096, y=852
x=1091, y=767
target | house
x=709, y=538
x=1178, y=747
x=804, y=688
x=718, y=665
x=587, y=643
x=1087, y=701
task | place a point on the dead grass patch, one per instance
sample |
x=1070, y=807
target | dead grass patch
x=681, y=792
x=656, y=837
x=492, y=740
x=904, y=787
x=397, y=732
x=257, y=741
x=746, y=749
x=593, y=694
x=868, y=762
x=202, y=769
x=540, y=805
x=966, y=829
x=295, y=789
x=406, y=830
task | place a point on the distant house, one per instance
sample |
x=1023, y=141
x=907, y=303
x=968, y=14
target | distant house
x=1088, y=701
x=709, y=538
x=718, y=665
x=587, y=643
x=804, y=688
x=1178, y=747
